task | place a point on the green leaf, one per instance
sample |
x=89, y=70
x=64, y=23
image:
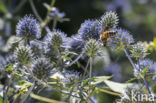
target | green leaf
x=1, y=101
x=117, y=87
x=154, y=42
x=146, y=69
x=131, y=80
x=87, y=81
x=2, y=7
x=100, y=79
x=9, y=68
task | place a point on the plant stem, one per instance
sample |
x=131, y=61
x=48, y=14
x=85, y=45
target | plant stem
x=75, y=59
x=47, y=19
x=54, y=23
x=86, y=69
x=28, y=93
x=129, y=58
x=90, y=72
x=85, y=95
x=146, y=84
x=6, y=92
x=19, y=6
x=34, y=10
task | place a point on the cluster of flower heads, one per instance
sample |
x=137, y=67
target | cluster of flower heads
x=92, y=29
x=87, y=39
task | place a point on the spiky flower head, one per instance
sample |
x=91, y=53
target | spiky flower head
x=71, y=77
x=145, y=65
x=42, y=68
x=109, y=20
x=37, y=48
x=138, y=50
x=90, y=29
x=23, y=54
x=92, y=48
x=122, y=39
x=76, y=44
x=28, y=28
x=56, y=38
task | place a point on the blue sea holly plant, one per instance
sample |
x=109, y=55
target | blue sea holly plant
x=56, y=68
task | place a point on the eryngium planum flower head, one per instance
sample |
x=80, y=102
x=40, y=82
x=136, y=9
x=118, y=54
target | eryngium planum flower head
x=42, y=68
x=23, y=54
x=90, y=29
x=145, y=66
x=109, y=20
x=138, y=50
x=37, y=48
x=71, y=77
x=122, y=39
x=28, y=28
x=56, y=38
x=146, y=63
x=92, y=47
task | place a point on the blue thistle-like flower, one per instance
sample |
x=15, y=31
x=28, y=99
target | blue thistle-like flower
x=37, y=48
x=56, y=38
x=122, y=39
x=109, y=20
x=138, y=50
x=90, y=29
x=71, y=76
x=143, y=64
x=23, y=54
x=57, y=14
x=42, y=68
x=28, y=28
x=76, y=44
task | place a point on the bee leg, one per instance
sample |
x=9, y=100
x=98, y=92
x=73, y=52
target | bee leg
x=104, y=44
x=104, y=40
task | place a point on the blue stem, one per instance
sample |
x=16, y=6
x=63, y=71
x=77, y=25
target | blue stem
x=131, y=61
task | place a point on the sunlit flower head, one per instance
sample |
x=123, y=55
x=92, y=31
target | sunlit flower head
x=56, y=38
x=90, y=29
x=122, y=39
x=28, y=28
x=109, y=20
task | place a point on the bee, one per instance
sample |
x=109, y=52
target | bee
x=106, y=35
